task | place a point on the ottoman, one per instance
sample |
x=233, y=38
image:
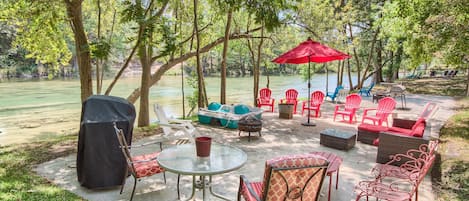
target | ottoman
x=337, y=139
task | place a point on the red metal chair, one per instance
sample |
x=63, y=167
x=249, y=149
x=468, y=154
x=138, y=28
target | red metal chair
x=291, y=97
x=385, y=107
x=294, y=177
x=138, y=166
x=317, y=98
x=352, y=104
x=265, y=99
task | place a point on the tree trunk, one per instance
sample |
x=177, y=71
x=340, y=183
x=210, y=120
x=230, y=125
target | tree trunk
x=223, y=63
x=200, y=75
x=368, y=62
x=349, y=75
x=143, y=114
x=74, y=12
x=467, y=84
x=355, y=55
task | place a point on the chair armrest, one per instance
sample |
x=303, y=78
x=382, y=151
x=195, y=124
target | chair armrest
x=338, y=106
x=365, y=111
x=403, y=123
x=244, y=180
x=391, y=144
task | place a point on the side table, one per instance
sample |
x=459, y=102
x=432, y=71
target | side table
x=334, y=165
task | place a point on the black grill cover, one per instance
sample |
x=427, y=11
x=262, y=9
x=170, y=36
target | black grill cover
x=100, y=163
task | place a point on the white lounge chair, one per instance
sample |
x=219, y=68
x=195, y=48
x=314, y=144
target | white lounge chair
x=174, y=129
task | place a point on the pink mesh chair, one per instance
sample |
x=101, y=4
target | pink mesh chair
x=291, y=97
x=265, y=99
x=385, y=107
x=294, y=177
x=352, y=104
x=138, y=166
x=317, y=98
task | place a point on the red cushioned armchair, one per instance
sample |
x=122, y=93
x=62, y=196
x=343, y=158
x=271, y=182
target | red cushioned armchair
x=294, y=177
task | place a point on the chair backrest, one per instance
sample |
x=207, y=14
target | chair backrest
x=125, y=149
x=291, y=95
x=428, y=111
x=294, y=177
x=317, y=98
x=337, y=89
x=352, y=101
x=265, y=93
x=385, y=106
x=161, y=115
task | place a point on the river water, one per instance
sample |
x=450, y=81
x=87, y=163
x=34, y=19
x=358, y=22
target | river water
x=37, y=110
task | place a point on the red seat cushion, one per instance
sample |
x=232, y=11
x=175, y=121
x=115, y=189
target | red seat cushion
x=146, y=168
x=256, y=186
x=418, y=128
x=372, y=128
x=401, y=131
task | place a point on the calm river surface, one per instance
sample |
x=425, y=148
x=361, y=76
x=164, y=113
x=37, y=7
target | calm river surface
x=37, y=110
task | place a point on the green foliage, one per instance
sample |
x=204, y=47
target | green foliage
x=100, y=49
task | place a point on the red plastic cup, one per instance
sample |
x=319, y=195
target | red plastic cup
x=202, y=145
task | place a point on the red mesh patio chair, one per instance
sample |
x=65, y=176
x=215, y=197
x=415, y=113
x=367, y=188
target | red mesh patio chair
x=265, y=99
x=317, y=98
x=294, y=177
x=385, y=107
x=291, y=97
x=138, y=166
x=352, y=104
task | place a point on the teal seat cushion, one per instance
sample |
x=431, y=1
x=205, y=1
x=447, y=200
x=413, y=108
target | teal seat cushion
x=241, y=109
x=214, y=106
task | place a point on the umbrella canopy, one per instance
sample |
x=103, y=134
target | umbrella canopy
x=307, y=52
x=310, y=51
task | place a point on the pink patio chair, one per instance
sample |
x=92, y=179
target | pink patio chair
x=316, y=100
x=402, y=181
x=291, y=97
x=265, y=99
x=352, y=104
x=385, y=107
x=294, y=177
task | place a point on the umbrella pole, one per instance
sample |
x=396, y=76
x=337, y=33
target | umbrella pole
x=308, y=123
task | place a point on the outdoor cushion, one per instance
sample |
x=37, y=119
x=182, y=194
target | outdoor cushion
x=372, y=128
x=241, y=109
x=214, y=106
x=148, y=166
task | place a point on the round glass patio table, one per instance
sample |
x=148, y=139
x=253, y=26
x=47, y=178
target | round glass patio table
x=182, y=159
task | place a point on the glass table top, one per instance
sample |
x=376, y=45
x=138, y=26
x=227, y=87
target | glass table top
x=182, y=159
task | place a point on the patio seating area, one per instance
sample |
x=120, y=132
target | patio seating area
x=279, y=137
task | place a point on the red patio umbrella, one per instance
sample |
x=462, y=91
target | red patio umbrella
x=307, y=52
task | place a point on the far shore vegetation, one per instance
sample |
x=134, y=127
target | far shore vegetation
x=450, y=175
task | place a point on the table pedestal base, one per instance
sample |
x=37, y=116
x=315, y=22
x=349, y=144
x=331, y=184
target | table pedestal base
x=201, y=183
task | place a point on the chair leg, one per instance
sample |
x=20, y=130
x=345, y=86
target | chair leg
x=133, y=190
x=179, y=193
x=164, y=177
x=123, y=181
x=337, y=180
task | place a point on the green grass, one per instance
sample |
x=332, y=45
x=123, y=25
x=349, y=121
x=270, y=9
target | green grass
x=452, y=176
x=19, y=182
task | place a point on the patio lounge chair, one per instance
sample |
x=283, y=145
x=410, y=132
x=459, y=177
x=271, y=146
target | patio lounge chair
x=294, y=177
x=366, y=90
x=174, y=129
x=316, y=100
x=385, y=107
x=352, y=104
x=265, y=99
x=334, y=94
x=291, y=97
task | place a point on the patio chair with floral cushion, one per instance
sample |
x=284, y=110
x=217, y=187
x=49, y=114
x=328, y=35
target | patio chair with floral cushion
x=352, y=104
x=385, y=107
x=138, y=166
x=265, y=99
x=294, y=177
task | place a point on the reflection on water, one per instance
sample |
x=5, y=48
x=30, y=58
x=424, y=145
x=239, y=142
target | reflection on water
x=36, y=110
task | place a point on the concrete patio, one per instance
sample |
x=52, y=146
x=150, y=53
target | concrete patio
x=279, y=137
